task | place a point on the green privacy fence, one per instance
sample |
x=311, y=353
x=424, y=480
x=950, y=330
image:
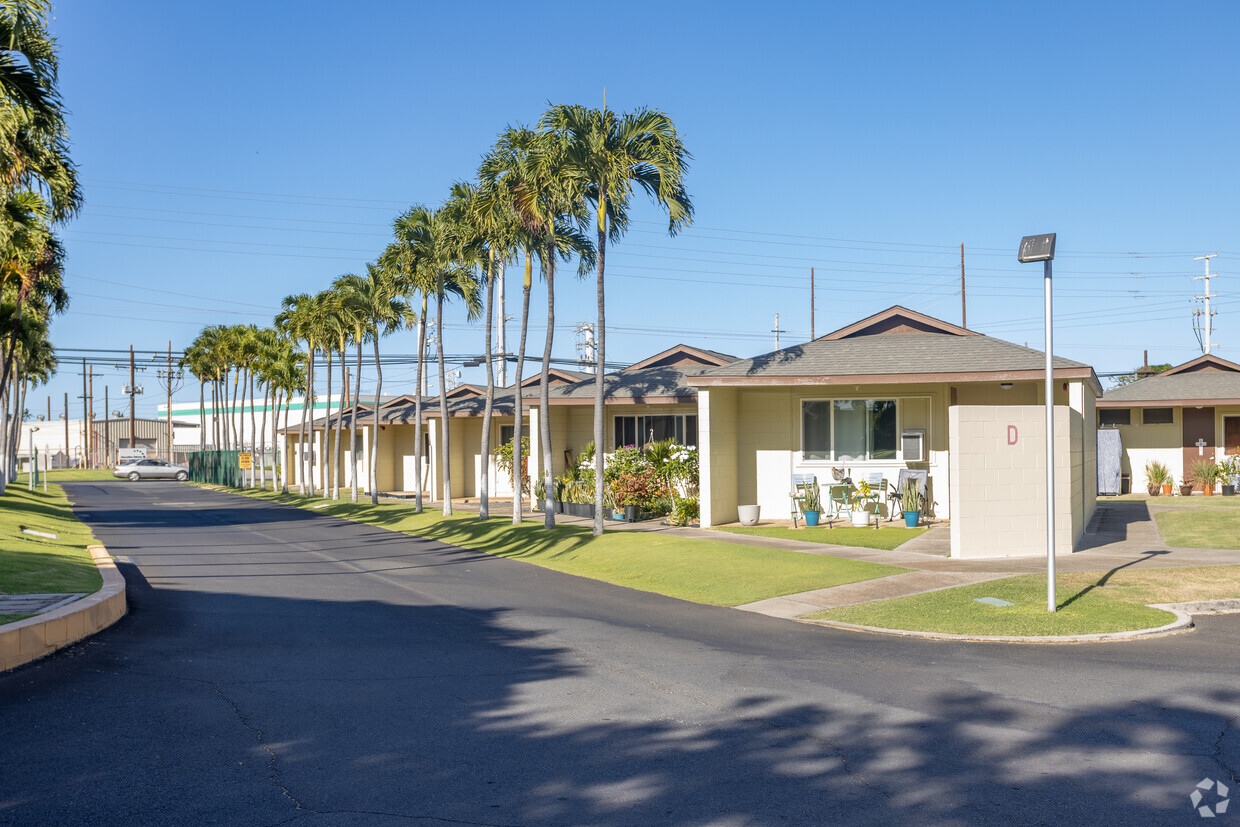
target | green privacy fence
x=216, y=467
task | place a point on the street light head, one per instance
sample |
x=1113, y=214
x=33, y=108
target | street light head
x=1036, y=248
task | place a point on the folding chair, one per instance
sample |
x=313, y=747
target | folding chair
x=896, y=492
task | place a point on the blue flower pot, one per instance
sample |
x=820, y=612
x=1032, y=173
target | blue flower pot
x=811, y=518
x=911, y=518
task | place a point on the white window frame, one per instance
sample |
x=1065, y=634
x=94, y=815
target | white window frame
x=898, y=460
x=684, y=424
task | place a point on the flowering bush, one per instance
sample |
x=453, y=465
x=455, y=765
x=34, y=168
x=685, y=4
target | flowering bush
x=639, y=487
x=625, y=460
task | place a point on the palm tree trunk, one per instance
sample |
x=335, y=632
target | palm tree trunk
x=344, y=393
x=202, y=416
x=262, y=445
x=327, y=430
x=444, y=457
x=484, y=504
x=357, y=395
x=374, y=428
x=544, y=394
x=599, y=383
x=254, y=430
x=518, y=460
x=307, y=408
x=417, y=413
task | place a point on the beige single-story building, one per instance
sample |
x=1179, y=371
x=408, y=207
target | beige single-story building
x=1188, y=413
x=901, y=389
x=647, y=401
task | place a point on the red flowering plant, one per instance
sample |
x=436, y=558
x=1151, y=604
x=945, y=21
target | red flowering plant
x=639, y=487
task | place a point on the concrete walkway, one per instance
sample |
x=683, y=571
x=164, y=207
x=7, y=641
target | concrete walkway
x=1120, y=535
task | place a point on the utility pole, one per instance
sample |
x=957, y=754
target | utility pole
x=66, y=429
x=811, y=305
x=130, y=390
x=1203, y=320
x=90, y=417
x=107, y=423
x=777, y=331
x=85, y=418
x=587, y=359
x=964, y=319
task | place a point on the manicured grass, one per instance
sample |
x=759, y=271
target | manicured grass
x=1088, y=603
x=886, y=538
x=36, y=565
x=1200, y=527
x=56, y=475
x=703, y=571
x=1195, y=501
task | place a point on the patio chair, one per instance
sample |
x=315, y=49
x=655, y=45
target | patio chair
x=837, y=500
x=801, y=484
x=896, y=492
x=879, y=485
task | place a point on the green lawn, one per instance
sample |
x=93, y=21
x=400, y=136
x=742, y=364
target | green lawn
x=887, y=538
x=1201, y=527
x=56, y=475
x=30, y=564
x=1088, y=603
x=704, y=571
x=1195, y=501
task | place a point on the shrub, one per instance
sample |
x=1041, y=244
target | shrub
x=686, y=511
x=503, y=458
x=639, y=487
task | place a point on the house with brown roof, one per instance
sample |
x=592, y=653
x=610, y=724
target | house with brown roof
x=1186, y=414
x=647, y=401
x=897, y=390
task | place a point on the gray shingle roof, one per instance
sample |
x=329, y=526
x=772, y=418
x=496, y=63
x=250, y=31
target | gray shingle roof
x=892, y=354
x=1201, y=384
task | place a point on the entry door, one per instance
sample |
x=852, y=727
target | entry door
x=1231, y=435
x=1198, y=426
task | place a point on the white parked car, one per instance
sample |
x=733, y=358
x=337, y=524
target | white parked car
x=151, y=469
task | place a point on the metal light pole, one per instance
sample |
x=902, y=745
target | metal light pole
x=1042, y=248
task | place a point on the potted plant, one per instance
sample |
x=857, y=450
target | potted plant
x=910, y=500
x=1186, y=486
x=1157, y=478
x=748, y=514
x=811, y=506
x=861, y=500
x=1229, y=469
x=1208, y=473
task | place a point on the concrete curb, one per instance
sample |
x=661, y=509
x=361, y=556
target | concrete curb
x=38, y=636
x=1183, y=623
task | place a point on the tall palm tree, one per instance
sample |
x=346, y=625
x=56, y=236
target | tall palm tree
x=33, y=138
x=299, y=321
x=410, y=258
x=611, y=154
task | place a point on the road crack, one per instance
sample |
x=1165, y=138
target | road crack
x=1218, y=749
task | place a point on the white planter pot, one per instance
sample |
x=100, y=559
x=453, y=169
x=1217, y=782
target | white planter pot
x=748, y=514
x=861, y=519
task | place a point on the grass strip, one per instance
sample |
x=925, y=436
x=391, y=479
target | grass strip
x=886, y=538
x=703, y=571
x=1200, y=527
x=56, y=475
x=1088, y=603
x=30, y=564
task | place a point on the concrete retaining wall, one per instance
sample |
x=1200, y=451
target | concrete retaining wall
x=34, y=637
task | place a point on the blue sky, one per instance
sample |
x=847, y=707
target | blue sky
x=234, y=153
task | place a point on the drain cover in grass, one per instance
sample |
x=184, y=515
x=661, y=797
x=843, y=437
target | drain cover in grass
x=992, y=601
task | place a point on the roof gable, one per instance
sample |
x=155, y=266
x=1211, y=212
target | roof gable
x=895, y=320
x=462, y=391
x=683, y=355
x=556, y=376
x=1207, y=361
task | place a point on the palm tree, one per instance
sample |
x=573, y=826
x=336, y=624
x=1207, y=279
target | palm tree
x=299, y=321
x=409, y=257
x=33, y=138
x=610, y=154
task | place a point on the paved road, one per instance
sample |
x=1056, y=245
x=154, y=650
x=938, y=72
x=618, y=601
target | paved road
x=280, y=667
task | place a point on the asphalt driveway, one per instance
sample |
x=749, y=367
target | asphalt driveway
x=282, y=667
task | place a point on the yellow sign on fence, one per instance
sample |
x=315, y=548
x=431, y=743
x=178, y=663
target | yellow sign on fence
x=245, y=461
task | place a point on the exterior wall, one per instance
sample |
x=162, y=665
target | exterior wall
x=718, y=433
x=1143, y=443
x=769, y=449
x=998, y=473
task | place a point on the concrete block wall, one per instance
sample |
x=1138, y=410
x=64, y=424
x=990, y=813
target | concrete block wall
x=717, y=438
x=998, y=481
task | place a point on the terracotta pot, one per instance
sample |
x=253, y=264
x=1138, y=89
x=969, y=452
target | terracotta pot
x=1167, y=488
x=1208, y=490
